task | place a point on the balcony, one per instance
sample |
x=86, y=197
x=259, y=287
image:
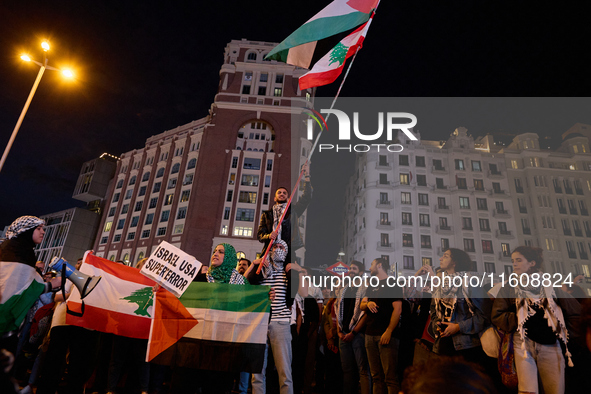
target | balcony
x=504, y=234
x=443, y=230
x=519, y=189
x=384, y=247
x=467, y=228
x=522, y=209
x=526, y=230
x=442, y=209
x=438, y=169
x=562, y=210
x=501, y=213
x=495, y=174
x=384, y=204
x=497, y=192
x=557, y=189
x=384, y=225
x=504, y=256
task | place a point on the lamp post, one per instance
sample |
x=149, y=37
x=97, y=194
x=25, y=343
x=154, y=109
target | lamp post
x=43, y=66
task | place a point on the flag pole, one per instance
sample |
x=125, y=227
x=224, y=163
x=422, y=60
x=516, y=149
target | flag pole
x=311, y=152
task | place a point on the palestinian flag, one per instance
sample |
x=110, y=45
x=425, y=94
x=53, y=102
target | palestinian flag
x=337, y=17
x=231, y=334
x=121, y=303
x=20, y=286
x=328, y=69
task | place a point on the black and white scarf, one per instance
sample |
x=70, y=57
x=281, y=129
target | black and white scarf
x=277, y=212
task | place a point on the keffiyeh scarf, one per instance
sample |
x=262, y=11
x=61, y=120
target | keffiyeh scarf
x=446, y=296
x=23, y=224
x=277, y=212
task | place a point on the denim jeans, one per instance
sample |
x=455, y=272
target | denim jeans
x=243, y=382
x=279, y=337
x=545, y=361
x=383, y=360
x=353, y=360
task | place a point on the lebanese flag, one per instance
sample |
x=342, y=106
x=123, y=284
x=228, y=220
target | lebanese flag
x=328, y=69
x=121, y=303
x=337, y=17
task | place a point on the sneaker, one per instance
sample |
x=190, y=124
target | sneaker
x=26, y=390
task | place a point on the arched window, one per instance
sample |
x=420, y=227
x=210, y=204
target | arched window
x=120, y=184
x=126, y=258
x=251, y=56
x=140, y=256
x=132, y=180
x=175, y=168
x=160, y=172
x=146, y=176
x=112, y=258
x=191, y=164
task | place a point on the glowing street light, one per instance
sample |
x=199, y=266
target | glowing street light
x=42, y=66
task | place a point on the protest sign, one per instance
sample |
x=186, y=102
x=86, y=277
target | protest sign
x=172, y=268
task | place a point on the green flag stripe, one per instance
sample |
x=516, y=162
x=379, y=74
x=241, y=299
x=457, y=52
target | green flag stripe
x=316, y=30
x=14, y=309
x=225, y=297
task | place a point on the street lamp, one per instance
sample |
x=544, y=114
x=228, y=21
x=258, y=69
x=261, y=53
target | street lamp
x=66, y=73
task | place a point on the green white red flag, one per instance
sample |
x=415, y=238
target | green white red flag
x=328, y=69
x=232, y=329
x=337, y=17
x=122, y=303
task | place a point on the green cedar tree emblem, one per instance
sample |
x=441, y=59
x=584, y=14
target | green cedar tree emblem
x=143, y=298
x=338, y=54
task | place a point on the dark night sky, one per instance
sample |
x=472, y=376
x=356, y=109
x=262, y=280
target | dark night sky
x=150, y=66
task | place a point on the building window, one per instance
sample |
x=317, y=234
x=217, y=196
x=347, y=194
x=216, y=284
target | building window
x=407, y=218
x=265, y=198
x=116, y=197
x=441, y=203
x=384, y=220
x=185, y=195
x=132, y=180
x=478, y=184
x=459, y=164
x=444, y=244
x=404, y=179
x=420, y=161
x=145, y=233
x=405, y=197
x=484, y=224
x=117, y=238
x=104, y=240
x=178, y=229
x=385, y=240
x=468, y=245
x=119, y=184
x=242, y=231
x=246, y=89
x=439, y=183
x=245, y=215
x=425, y=241
x=269, y=165
x=481, y=204
x=120, y=224
x=229, y=195
x=421, y=180
x=408, y=262
x=226, y=213
x=188, y=179
x=250, y=180
x=172, y=183
x=149, y=218
x=505, y=250
x=142, y=191
x=384, y=179
x=247, y=197
x=138, y=206
x=489, y=268
x=461, y=183
x=168, y=199
x=267, y=180
x=146, y=176
x=384, y=198
x=161, y=231
x=262, y=90
x=182, y=213
x=153, y=203
x=487, y=246
x=124, y=209
x=466, y=223
x=134, y=221
x=157, y=186
x=403, y=160
x=160, y=172
x=252, y=164
x=427, y=261
x=128, y=194
x=164, y=216
x=476, y=166
x=465, y=202
x=277, y=92
x=407, y=240
x=112, y=212
x=437, y=165
x=424, y=220
x=175, y=168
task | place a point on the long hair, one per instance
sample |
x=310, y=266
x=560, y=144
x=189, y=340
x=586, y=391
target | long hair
x=461, y=258
x=531, y=254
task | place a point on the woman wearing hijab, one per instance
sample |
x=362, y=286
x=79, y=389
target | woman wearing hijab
x=541, y=318
x=20, y=283
x=458, y=313
x=223, y=266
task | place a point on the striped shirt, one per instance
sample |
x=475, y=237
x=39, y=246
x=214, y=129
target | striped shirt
x=277, y=279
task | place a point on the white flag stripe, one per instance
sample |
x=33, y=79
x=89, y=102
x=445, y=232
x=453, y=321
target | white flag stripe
x=108, y=293
x=227, y=326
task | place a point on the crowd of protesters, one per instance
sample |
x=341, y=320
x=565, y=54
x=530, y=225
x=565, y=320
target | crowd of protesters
x=373, y=339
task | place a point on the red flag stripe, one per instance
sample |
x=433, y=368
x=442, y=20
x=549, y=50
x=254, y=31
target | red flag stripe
x=119, y=270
